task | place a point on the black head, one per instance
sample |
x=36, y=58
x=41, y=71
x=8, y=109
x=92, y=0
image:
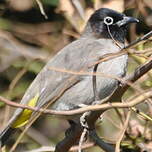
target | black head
x=105, y=20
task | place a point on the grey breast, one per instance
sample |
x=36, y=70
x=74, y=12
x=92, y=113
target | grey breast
x=82, y=92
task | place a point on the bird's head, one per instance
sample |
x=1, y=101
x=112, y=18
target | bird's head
x=108, y=23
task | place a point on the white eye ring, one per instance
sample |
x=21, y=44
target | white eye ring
x=108, y=20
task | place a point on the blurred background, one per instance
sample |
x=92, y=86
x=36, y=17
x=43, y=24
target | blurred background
x=28, y=39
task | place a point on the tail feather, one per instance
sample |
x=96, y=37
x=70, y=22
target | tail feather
x=5, y=135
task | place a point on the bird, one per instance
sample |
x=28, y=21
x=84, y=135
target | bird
x=103, y=34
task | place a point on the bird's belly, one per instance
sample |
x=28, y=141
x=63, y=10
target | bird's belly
x=82, y=93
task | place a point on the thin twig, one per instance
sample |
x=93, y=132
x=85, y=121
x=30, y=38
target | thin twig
x=117, y=149
x=124, y=49
x=11, y=87
x=112, y=121
x=79, y=8
x=51, y=149
x=82, y=139
x=143, y=115
x=107, y=106
x=94, y=74
x=143, y=38
x=41, y=8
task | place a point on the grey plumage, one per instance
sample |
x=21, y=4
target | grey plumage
x=78, y=56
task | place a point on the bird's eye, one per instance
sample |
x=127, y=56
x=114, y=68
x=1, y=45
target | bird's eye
x=108, y=20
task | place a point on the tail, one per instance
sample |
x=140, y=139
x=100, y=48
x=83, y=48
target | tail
x=19, y=119
x=6, y=134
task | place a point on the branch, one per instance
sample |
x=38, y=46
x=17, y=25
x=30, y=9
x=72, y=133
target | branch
x=145, y=37
x=117, y=149
x=51, y=149
x=106, y=106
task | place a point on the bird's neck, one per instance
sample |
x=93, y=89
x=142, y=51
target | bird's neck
x=89, y=33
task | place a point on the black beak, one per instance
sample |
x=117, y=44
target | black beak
x=126, y=20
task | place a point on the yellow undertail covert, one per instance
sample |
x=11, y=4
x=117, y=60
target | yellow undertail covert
x=26, y=114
